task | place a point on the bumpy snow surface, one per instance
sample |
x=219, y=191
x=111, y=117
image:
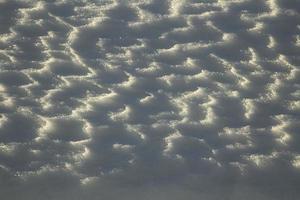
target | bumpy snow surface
x=150, y=100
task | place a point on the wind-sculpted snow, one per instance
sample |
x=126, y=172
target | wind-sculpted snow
x=150, y=99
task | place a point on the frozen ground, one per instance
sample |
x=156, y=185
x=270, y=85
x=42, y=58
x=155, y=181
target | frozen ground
x=151, y=100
